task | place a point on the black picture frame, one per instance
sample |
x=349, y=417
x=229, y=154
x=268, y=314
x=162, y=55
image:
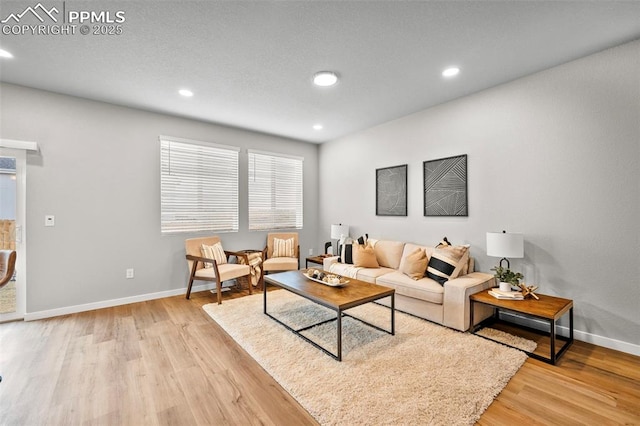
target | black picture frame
x=445, y=186
x=391, y=191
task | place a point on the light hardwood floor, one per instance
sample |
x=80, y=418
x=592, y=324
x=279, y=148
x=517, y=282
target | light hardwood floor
x=166, y=362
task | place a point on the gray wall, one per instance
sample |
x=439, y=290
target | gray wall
x=98, y=172
x=554, y=155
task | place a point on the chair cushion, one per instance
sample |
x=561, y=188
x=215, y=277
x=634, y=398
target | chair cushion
x=422, y=289
x=228, y=271
x=284, y=248
x=215, y=252
x=280, y=264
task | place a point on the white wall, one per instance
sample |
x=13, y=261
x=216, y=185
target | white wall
x=98, y=172
x=554, y=155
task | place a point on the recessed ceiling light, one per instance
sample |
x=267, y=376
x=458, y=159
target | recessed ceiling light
x=318, y=127
x=325, y=78
x=186, y=93
x=450, y=72
x=5, y=54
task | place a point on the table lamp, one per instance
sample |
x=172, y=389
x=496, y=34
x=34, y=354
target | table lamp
x=504, y=245
x=339, y=232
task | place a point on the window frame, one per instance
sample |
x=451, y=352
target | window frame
x=278, y=183
x=211, y=164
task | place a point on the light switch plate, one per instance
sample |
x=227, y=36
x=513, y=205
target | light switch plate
x=49, y=220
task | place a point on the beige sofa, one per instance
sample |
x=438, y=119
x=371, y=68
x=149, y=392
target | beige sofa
x=446, y=304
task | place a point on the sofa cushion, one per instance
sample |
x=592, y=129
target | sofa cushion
x=345, y=251
x=364, y=256
x=447, y=262
x=371, y=275
x=344, y=269
x=423, y=289
x=414, y=265
x=388, y=253
x=346, y=254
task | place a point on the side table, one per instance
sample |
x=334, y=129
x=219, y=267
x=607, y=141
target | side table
x=548, y=309
x=318, y=260
x=255, y=263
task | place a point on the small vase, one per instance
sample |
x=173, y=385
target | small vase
x=505, y=286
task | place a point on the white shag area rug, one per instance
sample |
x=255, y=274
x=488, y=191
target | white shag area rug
x=425, y=374
x=509, y=339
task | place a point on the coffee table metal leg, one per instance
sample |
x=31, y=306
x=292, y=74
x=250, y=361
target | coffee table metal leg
x=339, y=335
x=393, y=314
x=264, y=303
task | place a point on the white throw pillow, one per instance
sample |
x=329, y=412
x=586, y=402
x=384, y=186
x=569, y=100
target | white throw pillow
x=213, y=252
x=283, y=248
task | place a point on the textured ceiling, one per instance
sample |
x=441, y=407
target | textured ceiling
x=250, y=63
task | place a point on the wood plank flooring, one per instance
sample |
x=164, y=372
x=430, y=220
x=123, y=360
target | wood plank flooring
x=167, y=362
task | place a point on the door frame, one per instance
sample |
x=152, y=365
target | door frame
x=18, y=150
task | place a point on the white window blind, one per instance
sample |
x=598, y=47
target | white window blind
x=199, y=186
x=275, y=191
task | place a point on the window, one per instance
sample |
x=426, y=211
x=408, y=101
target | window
x=275, y=191
x=199, y=186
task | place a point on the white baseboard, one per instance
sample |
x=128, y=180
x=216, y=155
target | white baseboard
x=606, y=342
x=583, y=336
x=32, y=316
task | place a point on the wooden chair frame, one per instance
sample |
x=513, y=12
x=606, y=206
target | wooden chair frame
x=194, y=269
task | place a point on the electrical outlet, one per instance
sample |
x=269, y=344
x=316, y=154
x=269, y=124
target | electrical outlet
x=49, y=220
x=129, y=273
x=310, y=252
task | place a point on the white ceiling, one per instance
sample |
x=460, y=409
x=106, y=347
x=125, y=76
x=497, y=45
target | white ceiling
x=250, y=64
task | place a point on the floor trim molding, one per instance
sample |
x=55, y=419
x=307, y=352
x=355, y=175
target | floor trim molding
x=584, y=336
x=50, y=313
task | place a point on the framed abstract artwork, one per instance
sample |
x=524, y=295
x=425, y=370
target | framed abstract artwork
x=391, y=191
x=445, y=187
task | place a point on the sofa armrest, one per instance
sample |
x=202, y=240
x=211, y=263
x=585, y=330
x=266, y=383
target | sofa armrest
x=456, y=299
x=328, y=261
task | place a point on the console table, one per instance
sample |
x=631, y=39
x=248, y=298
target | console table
x=548, y=309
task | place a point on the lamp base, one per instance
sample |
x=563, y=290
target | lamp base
x=507, y=260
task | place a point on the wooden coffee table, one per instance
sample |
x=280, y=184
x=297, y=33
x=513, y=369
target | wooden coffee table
x=338, y=299
x=548, y=309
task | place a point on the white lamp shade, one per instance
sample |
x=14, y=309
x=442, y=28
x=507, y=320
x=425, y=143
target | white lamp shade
x=502, y=244
x=339, y=230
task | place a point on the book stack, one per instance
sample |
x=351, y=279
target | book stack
x=510, y=295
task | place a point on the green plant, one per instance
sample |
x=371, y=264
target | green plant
x=508, y=276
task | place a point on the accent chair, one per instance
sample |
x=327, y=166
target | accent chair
x=282, y=253
x=209, y=262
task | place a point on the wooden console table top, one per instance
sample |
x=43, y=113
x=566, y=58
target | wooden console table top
x=549, y=307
